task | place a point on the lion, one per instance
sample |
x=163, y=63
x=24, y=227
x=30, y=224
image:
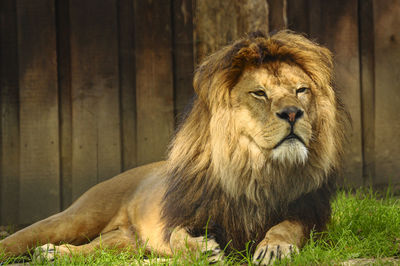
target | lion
x=254, y=161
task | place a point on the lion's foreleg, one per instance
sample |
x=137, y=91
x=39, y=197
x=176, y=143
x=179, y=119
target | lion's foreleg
x=282, y=240
x=182, y=241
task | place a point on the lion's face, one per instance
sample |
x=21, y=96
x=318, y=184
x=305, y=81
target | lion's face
x=274, y=107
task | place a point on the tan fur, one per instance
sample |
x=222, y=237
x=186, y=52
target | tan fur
x=224, y=165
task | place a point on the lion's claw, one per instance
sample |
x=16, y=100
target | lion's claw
x=267, y=254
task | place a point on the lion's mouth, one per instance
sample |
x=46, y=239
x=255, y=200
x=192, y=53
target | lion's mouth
x=289, y=137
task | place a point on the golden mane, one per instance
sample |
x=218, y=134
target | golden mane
x=211, y=177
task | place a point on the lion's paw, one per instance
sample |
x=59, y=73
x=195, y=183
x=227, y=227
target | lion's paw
x=211, y=248
x=48, y=252
x=266, y=254
x=180, y=240
x=45, y=252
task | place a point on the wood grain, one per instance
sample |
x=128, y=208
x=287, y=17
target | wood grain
x=127, y=81
x=154, y=79
x=39, y=135
x=278, y=19
x=183, y=56
x=367, y=71
x=65, y=101
x=91, y=88
x=387, y=91
x=298, y=16
x=217, y=23
x=96, y=136
x=9, y=114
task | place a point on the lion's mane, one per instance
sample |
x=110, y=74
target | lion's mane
x=212, y=181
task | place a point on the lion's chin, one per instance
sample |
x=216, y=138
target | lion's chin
x=291, y=151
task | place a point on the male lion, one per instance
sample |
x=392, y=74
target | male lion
x=254, y=160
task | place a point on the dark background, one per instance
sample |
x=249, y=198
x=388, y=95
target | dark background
x=90, y=88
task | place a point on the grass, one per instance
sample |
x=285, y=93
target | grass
x=364, y=224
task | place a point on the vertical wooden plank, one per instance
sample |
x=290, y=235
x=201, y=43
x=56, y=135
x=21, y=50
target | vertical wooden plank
x=39, y=144
x=182, y=54
x=308, y=16
x=387, y=88
x=65, y=109
x=298, y=17
x=335, y=24
x=96, y=137
x=277, y=14
x=319, y=17
x=127, y=81
x=221, y=22
x=9, y=114
x=154, y=79
x=366, y=38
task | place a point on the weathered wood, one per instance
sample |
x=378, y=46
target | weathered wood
x=298, y=18
x=9, y=115
x=154, y=79
x=387, y=96
x=90, y=88
x=335, y=24
x=366, y=38
x=218, y=23
x=39, y=143
x=277, y=14
x=127, y=83
x=64, y=84
x=318, y=17
x=183, y=54
x=96, y=144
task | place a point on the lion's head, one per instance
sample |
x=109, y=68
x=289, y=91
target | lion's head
x=265, y=128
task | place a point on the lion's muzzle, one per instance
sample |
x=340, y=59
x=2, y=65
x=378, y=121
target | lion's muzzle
x=290, y=114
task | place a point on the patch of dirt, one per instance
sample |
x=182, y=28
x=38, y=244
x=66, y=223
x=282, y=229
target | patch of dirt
x=385, y=261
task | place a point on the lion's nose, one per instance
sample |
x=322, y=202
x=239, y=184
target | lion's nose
x=290, y=113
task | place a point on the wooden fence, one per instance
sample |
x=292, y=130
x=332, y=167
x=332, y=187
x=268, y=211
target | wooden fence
x=90, y=88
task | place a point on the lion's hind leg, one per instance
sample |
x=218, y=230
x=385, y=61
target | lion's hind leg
x=120, y=239
x=181, y=240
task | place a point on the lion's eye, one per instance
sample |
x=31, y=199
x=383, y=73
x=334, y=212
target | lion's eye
x=300, y=90
x=259, y=93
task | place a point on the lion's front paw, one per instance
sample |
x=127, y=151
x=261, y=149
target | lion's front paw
x=267, y=253
x=181, y=240
x=45, y=252
x=48, y=252
x=210, y=247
